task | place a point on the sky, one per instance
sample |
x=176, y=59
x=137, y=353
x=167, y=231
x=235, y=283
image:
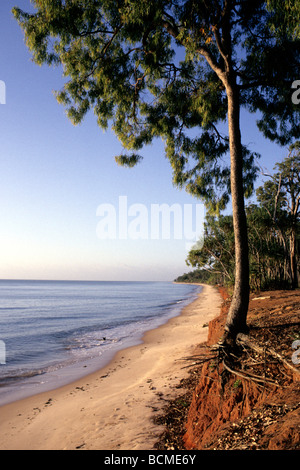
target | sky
x=61, y=189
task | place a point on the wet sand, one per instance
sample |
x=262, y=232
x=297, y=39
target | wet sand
x=112, y=409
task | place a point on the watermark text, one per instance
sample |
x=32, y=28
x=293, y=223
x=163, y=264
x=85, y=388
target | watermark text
x=157, y=222
x=2, y=92
x=296, y=94
x=2, y=352
x=296, y=354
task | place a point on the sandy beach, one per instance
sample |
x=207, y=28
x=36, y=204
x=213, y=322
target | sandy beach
x=112, y=409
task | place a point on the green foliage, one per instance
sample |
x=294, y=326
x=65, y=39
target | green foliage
x=200, y=276
x=130, y=161
x=286, y=15
x=280, y=198
x=217, y=254
x=273, y=234
x=158, y=69
x=237, y=384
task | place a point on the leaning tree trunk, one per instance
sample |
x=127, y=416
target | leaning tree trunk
x=237, y=315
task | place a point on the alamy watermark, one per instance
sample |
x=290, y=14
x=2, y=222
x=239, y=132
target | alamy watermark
x=2, y=352
x=296, y=354
x=2, y=92
x=155, y=222
x=296, y=94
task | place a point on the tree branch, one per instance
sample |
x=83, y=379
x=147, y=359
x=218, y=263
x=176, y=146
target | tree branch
x=172, y=29
x=103, y=52
x=89, y=33
x=220, y=46
x=213, y=64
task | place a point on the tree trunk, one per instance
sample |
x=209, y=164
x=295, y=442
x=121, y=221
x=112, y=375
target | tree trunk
x=293, y=258
x=237, y=315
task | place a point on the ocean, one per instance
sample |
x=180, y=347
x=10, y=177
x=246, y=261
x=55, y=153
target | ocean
x=53, y=332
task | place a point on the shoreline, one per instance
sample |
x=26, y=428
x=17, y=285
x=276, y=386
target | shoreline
x=63, y=374
x=112, y=409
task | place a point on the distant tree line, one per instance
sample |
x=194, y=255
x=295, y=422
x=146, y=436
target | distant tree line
x=201, y=276
x=273, y=232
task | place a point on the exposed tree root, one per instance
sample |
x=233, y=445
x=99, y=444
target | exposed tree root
x=248, y=376
x=231, y=359
x=245, y=340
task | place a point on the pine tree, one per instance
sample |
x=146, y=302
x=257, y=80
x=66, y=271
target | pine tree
x=177, y=69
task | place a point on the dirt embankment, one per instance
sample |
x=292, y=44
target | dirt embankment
x=251, y=401
x=258, y=406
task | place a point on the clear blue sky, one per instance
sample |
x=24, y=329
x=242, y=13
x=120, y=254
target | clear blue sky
x=53, y=176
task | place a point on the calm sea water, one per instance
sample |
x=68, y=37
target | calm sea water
x=55, y=331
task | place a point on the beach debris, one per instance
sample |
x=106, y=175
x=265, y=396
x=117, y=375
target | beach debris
x=80, y=446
